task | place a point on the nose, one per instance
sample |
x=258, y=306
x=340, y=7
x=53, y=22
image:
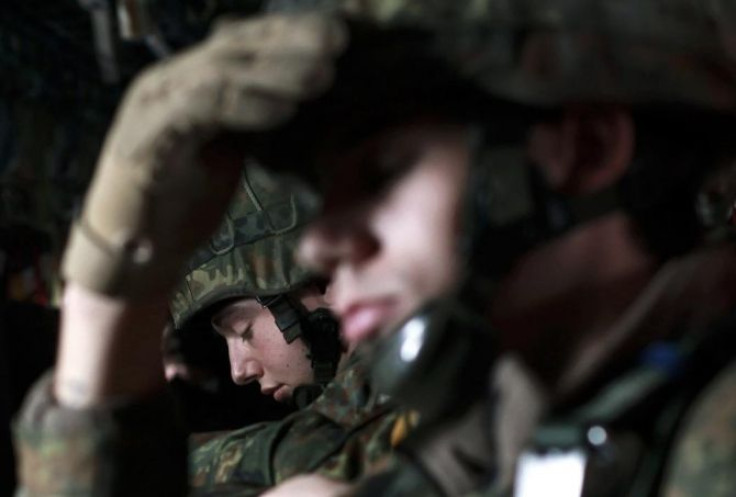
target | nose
x=333, y=240
x=245, y=373
x=243, y=369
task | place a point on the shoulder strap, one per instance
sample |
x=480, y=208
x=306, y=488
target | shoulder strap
x=650, y=400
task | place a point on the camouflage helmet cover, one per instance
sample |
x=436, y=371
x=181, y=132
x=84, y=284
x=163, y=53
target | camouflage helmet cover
x=252, y=252
x=545, y=52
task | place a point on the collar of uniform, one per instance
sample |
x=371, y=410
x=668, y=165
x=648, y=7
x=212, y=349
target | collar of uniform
x=350, y=398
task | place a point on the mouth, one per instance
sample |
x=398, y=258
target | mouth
x=365, y=320
x=280, y=393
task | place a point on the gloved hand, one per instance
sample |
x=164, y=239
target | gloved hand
x=156, y=194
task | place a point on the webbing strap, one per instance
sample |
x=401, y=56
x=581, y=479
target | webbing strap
x=285, y=314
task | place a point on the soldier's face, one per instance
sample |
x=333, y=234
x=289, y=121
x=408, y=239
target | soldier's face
x=258, y=351
x=387, y=237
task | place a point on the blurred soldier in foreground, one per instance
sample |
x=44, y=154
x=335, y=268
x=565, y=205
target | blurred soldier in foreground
x=549, y=158
x=559, y=169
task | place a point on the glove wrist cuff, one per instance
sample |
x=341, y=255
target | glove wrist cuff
x=131, y=270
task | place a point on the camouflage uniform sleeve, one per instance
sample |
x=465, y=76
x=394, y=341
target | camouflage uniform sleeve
x=127, y=449
x=344, y=435
x=704, y=458
x=140, y=449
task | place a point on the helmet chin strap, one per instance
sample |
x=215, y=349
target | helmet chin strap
x=319, y=330
x=285, y=313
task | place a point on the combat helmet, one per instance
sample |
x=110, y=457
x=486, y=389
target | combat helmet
x=549, y=52
x=252, y=254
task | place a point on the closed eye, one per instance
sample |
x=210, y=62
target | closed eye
x=236, y=320
x=247, y=334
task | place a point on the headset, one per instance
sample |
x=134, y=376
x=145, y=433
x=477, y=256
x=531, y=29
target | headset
x=319, y=330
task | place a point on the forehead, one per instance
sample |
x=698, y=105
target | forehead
x=390, y=149
x=246, y=308
x=377, y=168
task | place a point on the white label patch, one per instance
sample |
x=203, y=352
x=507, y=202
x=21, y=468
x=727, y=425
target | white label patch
x=558, y=474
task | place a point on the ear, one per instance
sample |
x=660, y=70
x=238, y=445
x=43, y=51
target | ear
x=329, y=294
x=586, y=150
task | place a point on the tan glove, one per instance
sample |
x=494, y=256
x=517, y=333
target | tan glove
x=155, y=196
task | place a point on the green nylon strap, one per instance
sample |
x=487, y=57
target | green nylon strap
x=285, y=314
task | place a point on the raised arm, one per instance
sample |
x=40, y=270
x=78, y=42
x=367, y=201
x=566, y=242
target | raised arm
x=160, y=189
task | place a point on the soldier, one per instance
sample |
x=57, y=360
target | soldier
x=557, y=186
x=245, y=285
x=534, y=163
